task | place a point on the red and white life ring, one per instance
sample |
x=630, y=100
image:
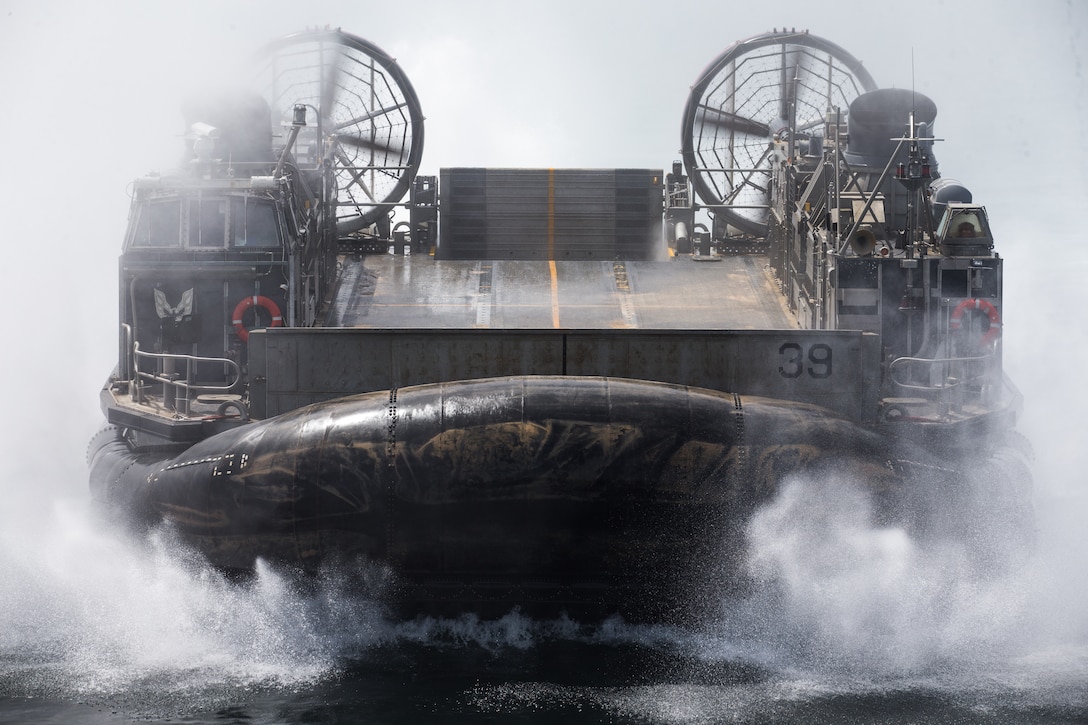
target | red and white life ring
x=254, y=301
x=977, y=304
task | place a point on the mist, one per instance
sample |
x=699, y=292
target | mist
x=92, y=95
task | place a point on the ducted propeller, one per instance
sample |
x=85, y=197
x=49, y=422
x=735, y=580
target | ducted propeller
x=366, y=118
x=758, y=88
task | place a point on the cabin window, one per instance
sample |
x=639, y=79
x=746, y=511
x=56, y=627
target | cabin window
x=159, y=225
x=965, y=226
x=964, y=223
x=207, y=223
x=253, y=223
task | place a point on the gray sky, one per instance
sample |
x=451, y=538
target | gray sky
x=91, y=92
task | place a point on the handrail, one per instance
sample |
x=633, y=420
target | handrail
x=171, y=379
x=948, y=383
x=125, y=361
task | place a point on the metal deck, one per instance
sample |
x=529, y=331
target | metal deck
x=394, y=291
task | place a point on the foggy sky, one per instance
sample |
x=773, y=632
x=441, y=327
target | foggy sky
x=92, y=90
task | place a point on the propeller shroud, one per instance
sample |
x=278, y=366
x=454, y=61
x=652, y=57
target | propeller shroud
x=364, y=119
x=755, y=89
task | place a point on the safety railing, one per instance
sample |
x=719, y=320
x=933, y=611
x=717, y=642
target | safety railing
x=946, y=379
x=178, y=387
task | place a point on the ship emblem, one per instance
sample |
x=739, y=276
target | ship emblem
x=183, y=309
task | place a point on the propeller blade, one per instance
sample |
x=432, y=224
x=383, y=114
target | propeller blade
x=724, y=119
x=787, y=75
x=347, y=140
x=371, y=116
x=331, y=57
x=810, y=88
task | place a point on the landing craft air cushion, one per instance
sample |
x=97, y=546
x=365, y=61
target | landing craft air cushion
x=562, y=389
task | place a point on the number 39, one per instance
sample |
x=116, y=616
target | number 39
x=794, y=359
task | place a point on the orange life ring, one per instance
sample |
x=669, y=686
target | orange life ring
x=978, y=304
x=258, y=301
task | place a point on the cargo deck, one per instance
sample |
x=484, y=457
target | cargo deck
x=395, y=291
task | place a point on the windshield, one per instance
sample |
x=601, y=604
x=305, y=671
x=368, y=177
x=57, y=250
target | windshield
x=254, y=223
x=158, y=225
x=210, y=223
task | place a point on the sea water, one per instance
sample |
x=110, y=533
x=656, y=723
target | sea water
x=851, y=622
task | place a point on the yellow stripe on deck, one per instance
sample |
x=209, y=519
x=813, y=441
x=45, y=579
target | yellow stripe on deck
x=551, y=248
x=555, y=294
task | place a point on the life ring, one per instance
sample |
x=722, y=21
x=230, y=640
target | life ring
x=977, y=304
x=258, y=301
